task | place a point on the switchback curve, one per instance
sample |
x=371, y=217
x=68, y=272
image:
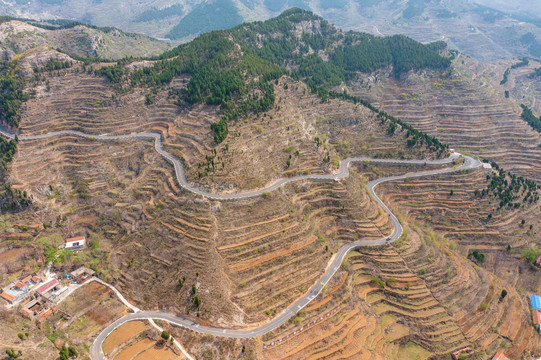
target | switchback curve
x=335, y=263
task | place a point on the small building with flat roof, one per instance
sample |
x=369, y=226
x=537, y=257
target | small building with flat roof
x=81, y=274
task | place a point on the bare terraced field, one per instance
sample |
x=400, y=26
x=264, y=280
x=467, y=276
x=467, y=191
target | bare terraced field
x=138, y=340
x=524, y=88
x=466, y=108
x=439, y=223
x=125, y=196
x=432, y=295
x=250, y=259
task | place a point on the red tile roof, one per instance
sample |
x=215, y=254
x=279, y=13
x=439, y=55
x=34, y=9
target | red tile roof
x=26, y=279
x=537, y=317
x=538, y=261
x=43, y=288
x=7, y=296
x=499, y=356
x=20, y=285
x=45, y=315
x=77, y=238
x=35, y=279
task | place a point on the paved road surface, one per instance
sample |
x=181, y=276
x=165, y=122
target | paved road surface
x=335, y=263
x=343, y=171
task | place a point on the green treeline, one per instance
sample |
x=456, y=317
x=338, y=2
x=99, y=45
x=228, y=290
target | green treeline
x=403, y=53
x=207, y=50
x=510, y=189
x=220, y=75
x=505, y=76
x=12, y=96
x=115, y=73
x=10, y=199
x=54, y=64
x=12, y=93
x=414, y=136
x=7, y=150
x=523, y=62
x=530, y=118
x=214, y=86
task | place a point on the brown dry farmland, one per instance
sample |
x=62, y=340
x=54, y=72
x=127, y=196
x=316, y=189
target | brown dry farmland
x=131, y=351
x=122, y=334
x=158, y=353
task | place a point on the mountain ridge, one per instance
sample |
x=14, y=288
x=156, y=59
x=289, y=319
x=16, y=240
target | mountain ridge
x=469, y=26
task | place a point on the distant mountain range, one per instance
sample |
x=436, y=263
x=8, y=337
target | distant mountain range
x=74, y=38
x=517, y=7
x=503, y=30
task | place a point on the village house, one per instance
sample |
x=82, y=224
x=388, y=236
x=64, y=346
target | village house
x=10, y=297
x=48, y=289
x=499, y=356
x=44, y=315
x=75, y=243
x=18, y=290
x=34, y=307
x=82, y=274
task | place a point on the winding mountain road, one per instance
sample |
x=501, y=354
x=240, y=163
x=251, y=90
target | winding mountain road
x=335, y=263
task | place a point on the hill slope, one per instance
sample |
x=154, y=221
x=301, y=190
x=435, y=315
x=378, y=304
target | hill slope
x=17, y=36
x=242, y=108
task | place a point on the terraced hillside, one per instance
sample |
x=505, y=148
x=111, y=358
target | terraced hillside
x=237, y=264
x=466, y=107
x=146, y=233
x=422, y=296
x=438, y=243
x=525, y=86
x=427, y=283
x=284, y=140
